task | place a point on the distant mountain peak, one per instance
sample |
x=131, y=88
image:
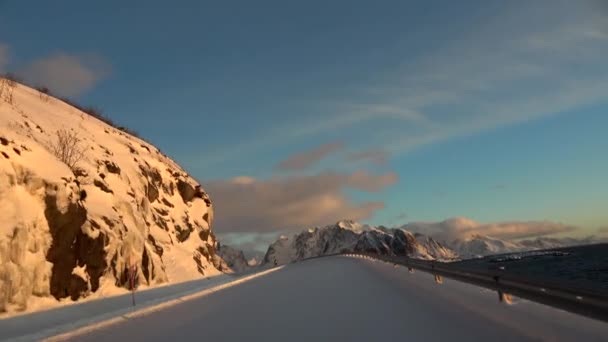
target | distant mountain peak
x=351, y=236
x=352, y=225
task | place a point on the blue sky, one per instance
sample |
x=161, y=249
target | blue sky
x=491, y=110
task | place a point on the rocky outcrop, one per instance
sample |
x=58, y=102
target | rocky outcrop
x=234, y=258
x=67, y=250
x=67, y=233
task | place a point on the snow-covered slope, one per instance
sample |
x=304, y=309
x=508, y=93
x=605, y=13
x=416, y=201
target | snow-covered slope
x=348, y=236
x=481, y=245
x=548, y=242
x=73, y=232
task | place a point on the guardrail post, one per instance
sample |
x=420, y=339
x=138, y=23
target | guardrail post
x=505, y=298
x=132, y=280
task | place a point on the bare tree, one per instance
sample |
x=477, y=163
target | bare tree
x=68, y=148
x=44, y=93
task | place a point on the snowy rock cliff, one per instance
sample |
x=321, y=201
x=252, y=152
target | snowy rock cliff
x=348, y=236
x=67, y=231
x=234, y=258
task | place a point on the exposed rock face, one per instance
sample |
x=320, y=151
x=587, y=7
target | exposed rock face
x=185, y=190
x=112, y=167
x=66, y=249
x=372, y=242
x=403, y=243
x=66, y=233
x=234, y=258
x=348, y=236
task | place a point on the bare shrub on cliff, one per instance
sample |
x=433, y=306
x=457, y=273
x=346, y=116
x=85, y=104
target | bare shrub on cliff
x=68, y=148
x=44, y=93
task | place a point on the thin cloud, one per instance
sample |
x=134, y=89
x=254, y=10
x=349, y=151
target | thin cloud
x=303, y=160
x=294, y=202
x=364, y=181
x=64, y=74
x=482, y=81
x=461, y=228
x=488, y=82
x=374, y=156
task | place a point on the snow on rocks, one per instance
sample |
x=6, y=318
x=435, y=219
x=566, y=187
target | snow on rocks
x=234, y=258
x=349, y=236
x=65, y=232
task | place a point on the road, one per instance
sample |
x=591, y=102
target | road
x=37, y=325
x=350, y=299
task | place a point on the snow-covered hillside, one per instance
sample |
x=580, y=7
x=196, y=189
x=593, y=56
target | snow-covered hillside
x=349, y=236
x=480, y=245
x=74, y=232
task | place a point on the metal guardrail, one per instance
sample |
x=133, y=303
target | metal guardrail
x=584, y=303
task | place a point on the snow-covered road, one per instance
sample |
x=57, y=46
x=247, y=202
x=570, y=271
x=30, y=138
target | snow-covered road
x=350, y=299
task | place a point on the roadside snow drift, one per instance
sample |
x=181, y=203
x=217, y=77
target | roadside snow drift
x=71, y=232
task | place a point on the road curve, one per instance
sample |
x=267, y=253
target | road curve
x=351, y=299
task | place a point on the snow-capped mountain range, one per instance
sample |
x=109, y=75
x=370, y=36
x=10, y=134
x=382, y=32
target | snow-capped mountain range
x=234, y=258
x=480, y=245
x=349, y=236
x=71, y=232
